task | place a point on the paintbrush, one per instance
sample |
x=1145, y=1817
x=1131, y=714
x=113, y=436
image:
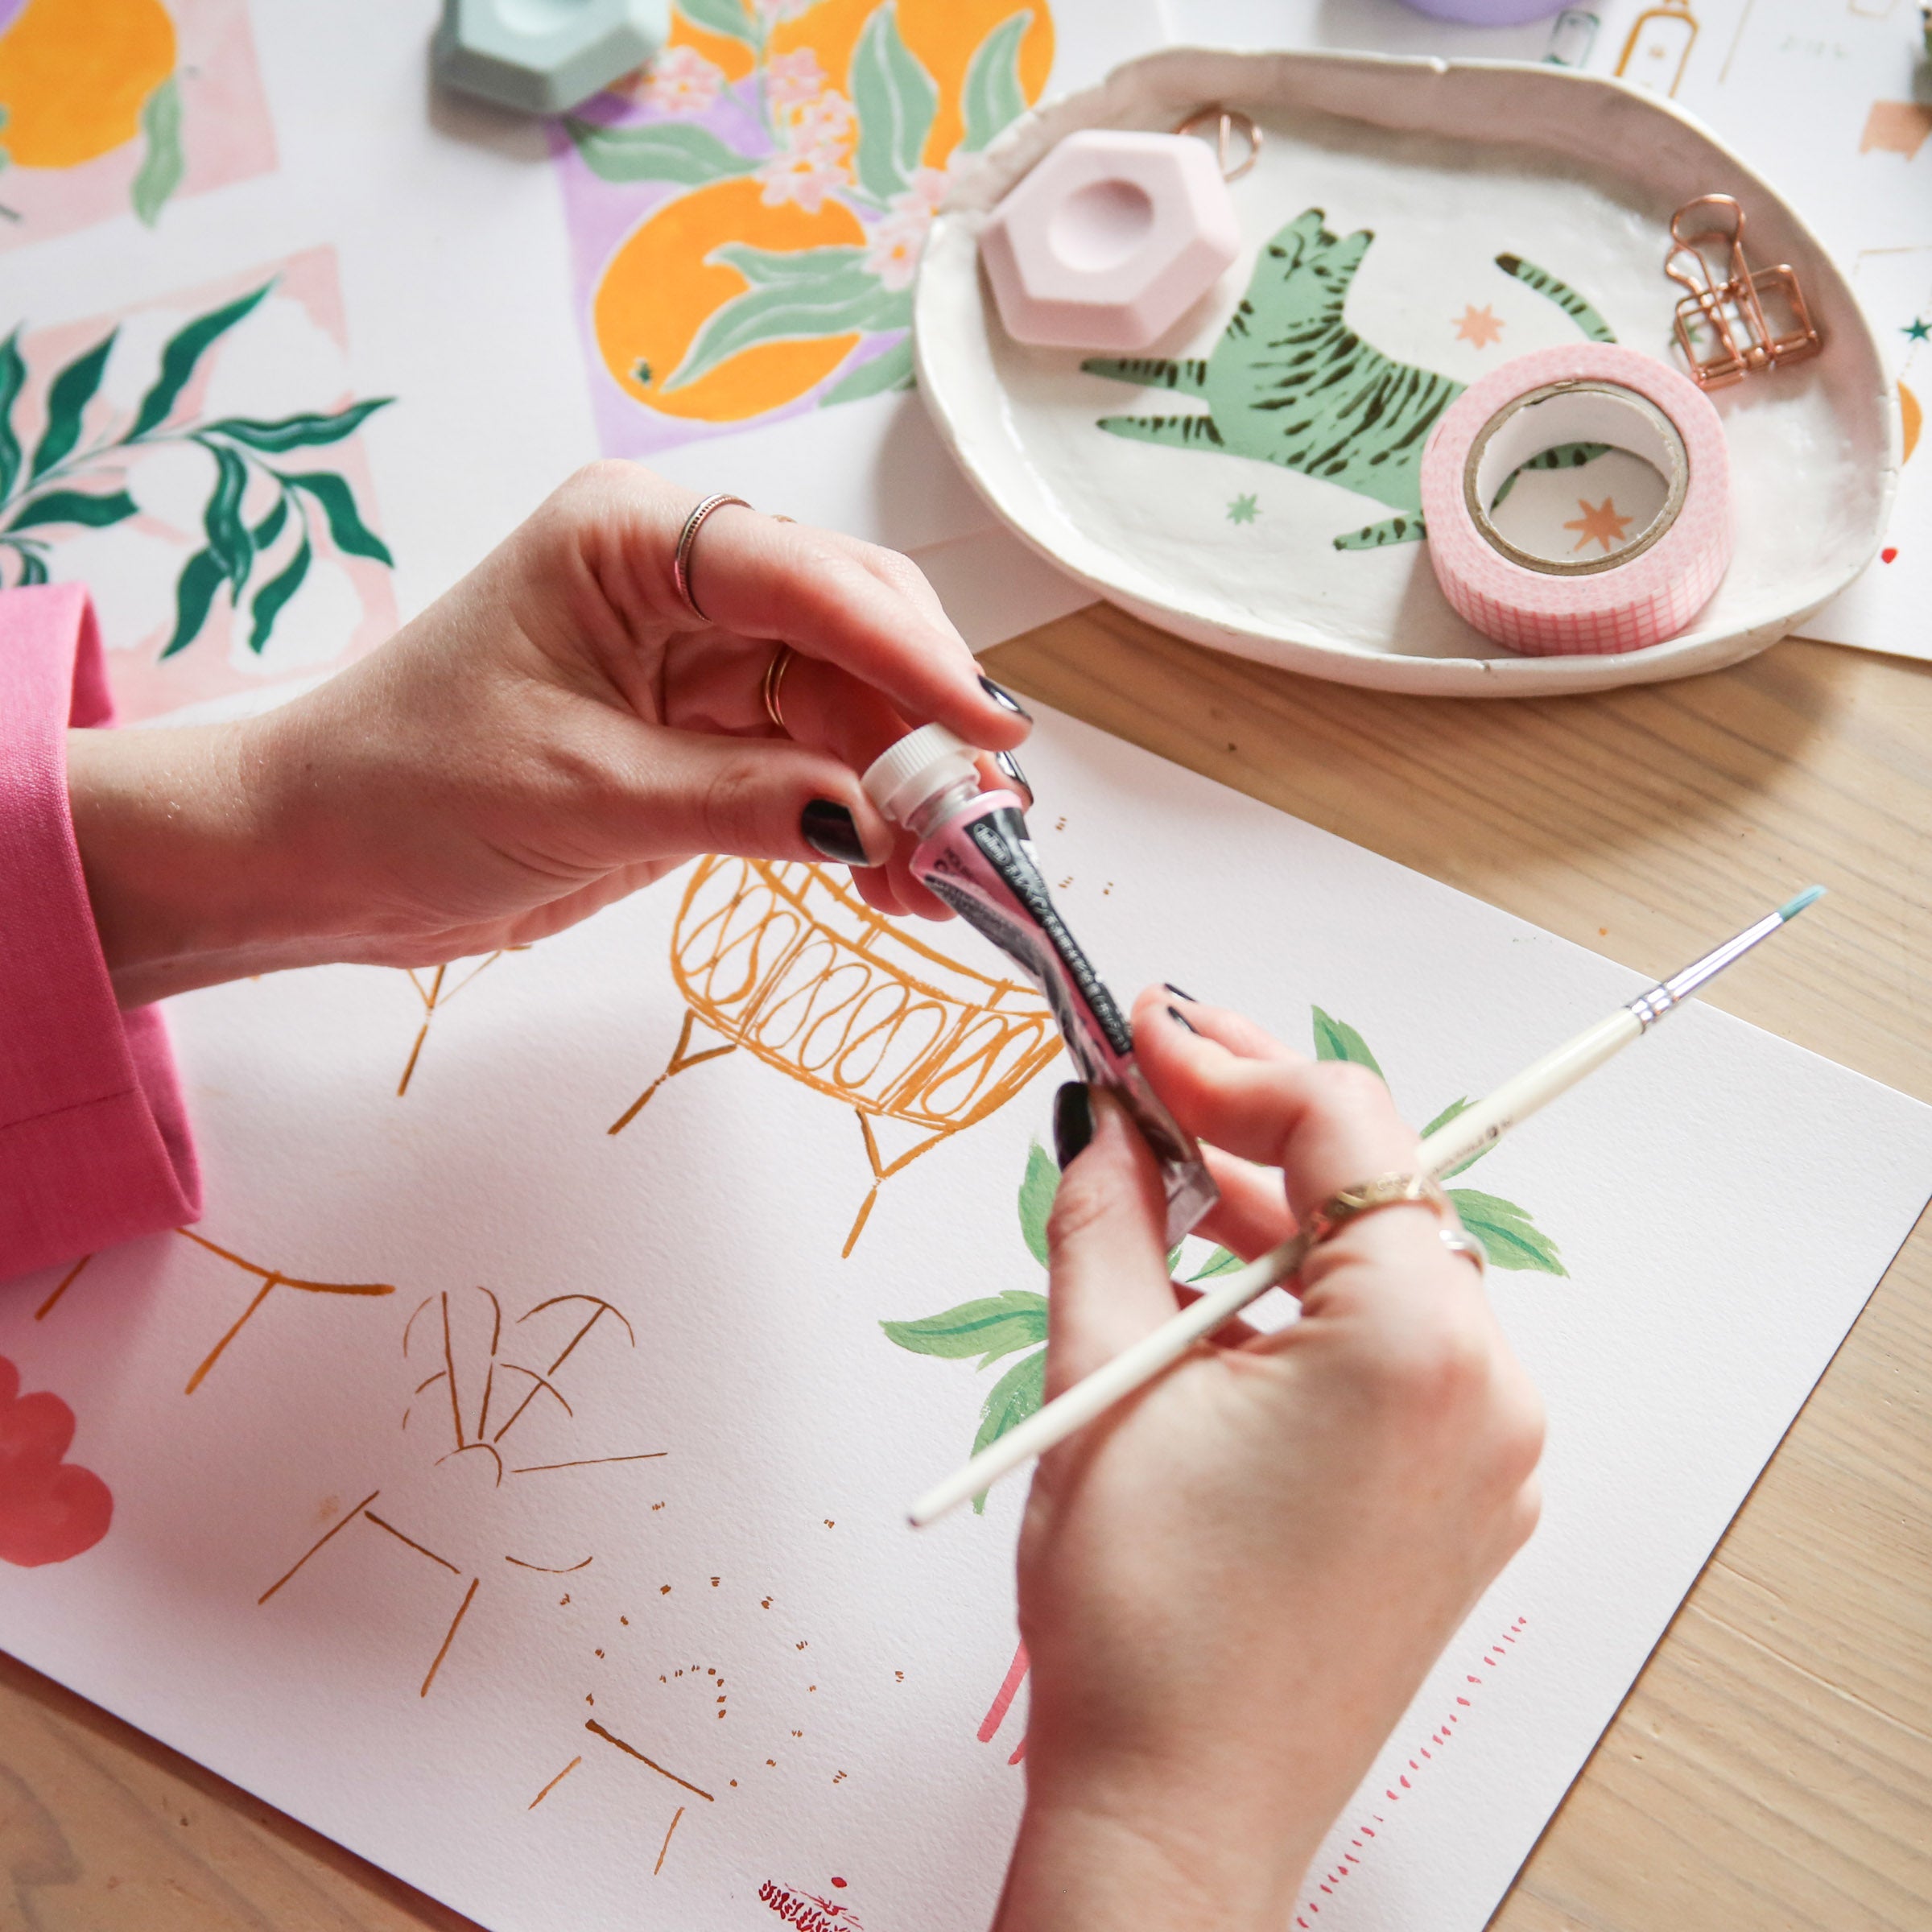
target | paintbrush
x=1455, y=1141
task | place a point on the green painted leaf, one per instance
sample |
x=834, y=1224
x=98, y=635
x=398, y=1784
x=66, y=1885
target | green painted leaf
x=1221, y=1261
x=297, y=432
x=1334, y=1040
x=1014, y=1397
x=895, y=99
x=273, y=595
x=729, y=16
x=1036, y=1191
x=841, y=297
x=201, y=576
x=989, y=1328
x=13, y=379
x=227, y=538
x=163, y=164
x=33, y=568
x=1443, y=1120
x=75, y=506
x=67, y=401
x=891, y=370
x=185, y=349
x=992, y=96
x=1511, y=1238
x=351, y=535
x=675, y=151
x=265, y=532
x=775, y=267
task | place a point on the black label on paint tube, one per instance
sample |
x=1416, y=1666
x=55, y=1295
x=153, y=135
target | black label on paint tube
x=1065, y=975
x=998, y=836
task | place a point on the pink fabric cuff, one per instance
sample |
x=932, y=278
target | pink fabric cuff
x=94, y=1145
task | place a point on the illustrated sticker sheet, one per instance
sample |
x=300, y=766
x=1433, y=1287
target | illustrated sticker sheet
x=1826, y=98
x=507, y=1474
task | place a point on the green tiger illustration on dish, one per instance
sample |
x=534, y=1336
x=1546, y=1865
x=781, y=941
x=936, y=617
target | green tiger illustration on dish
x=1289, y=382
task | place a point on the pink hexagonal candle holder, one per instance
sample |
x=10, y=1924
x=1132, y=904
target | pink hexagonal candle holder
x=1110, y=240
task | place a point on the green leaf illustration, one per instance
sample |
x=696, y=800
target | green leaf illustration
x=996, y=1326
x=891, y=370
x=1443, y=1120
x=351, y=535
x=13, y=379
x=73, y=388
x=201, y=576
x=823, y=291
x=273, y=595
x=75, y=506
x=1014, y=1397
x=1335, y=1041
x=731, y=18
x=265, y=532
x=163, y=164
x=33, y=568
x=228, y=538
x=992, y=96
x=895, y=99
x=297, y=432
x=185, y=349
x=1036, y=1191
x=675, y=151
x=1511, y=1238
x=1221, y=1261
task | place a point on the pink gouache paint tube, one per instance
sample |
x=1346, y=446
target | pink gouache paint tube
x=975, y=853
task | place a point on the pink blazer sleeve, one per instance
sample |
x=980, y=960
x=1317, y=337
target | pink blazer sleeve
x=94, y=1145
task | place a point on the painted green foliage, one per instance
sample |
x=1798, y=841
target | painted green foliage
x=1290, y=383
x=40, y=494
x=1000, y=1326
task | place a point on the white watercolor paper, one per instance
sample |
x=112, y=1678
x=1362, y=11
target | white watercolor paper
x=678, y=1689
x=1825, y=97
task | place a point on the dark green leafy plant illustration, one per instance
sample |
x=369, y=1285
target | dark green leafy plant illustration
x=69, y=481
x=999, y=1326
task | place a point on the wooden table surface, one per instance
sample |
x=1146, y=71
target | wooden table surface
x=1772, y=1767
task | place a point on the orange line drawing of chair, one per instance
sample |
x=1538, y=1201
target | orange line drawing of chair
x=437, y=994
x=781, y=960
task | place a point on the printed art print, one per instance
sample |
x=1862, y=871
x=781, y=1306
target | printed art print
x=746, y=212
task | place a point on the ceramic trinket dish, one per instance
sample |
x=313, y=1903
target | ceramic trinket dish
x=1422, y=221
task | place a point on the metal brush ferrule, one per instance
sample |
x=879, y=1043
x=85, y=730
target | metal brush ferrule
x=1650, y=1007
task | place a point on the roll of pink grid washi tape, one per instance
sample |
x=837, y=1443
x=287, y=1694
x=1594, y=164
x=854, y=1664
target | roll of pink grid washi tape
x=1588, y=392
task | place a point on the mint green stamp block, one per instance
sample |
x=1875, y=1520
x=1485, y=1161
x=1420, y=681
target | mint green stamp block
x=545, y=56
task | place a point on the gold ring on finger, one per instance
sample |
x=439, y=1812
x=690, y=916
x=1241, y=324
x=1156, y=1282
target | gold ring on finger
x=775, y=677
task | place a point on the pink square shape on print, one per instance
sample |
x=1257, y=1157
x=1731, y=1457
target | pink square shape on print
x=221, y=131
x=284, y=357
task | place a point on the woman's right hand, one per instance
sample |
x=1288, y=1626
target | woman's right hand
x=1232, y=1586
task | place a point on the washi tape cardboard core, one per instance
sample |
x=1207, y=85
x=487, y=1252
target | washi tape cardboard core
x=1647, y=588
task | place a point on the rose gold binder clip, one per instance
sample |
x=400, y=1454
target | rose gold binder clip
x=1733, y=309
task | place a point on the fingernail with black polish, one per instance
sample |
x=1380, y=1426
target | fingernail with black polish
x=828, y=829
x=1009, y=767
x=1181, y=1019
x=1005, y=699
x=1176, y=992
x=1072, y=1121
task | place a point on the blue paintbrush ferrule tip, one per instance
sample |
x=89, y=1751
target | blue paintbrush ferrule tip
x=1793, y=908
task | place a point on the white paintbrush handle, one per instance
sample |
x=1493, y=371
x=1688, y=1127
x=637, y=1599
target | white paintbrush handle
x=1452, y=1144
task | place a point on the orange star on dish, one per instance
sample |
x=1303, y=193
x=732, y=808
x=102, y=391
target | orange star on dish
x=1600, y=524
x=1479, y=326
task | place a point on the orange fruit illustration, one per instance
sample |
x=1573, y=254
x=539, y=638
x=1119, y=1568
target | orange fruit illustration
x=1913, y=418
x=658, y=291
x=74, y=75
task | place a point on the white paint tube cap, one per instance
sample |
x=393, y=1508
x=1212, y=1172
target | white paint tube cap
x=923, y=764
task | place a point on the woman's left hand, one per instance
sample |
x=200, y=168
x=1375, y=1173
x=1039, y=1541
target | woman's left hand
x=559, y=729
